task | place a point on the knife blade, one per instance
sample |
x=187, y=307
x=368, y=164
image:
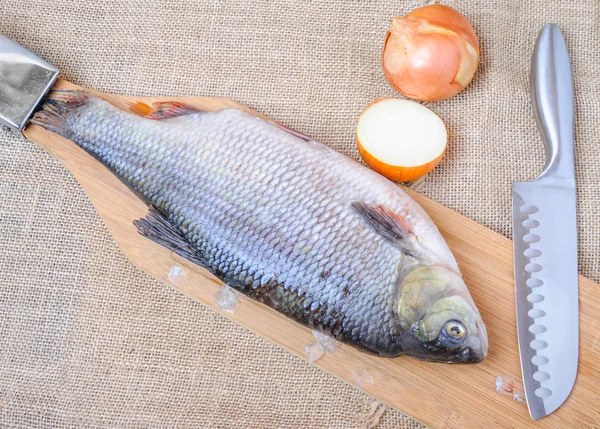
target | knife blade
x=545, y=237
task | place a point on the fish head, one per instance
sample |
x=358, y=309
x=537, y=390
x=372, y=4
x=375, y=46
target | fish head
x=439, y=318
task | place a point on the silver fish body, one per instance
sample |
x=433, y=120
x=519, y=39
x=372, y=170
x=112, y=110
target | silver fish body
x=290, y=223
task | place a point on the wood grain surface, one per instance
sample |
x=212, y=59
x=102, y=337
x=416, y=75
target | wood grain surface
x=439, y=395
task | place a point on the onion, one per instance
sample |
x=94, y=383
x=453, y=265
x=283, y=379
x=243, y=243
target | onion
x=431, y=53
x=400, y=139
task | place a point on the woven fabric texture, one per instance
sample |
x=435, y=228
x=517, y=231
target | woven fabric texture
x=87, y=340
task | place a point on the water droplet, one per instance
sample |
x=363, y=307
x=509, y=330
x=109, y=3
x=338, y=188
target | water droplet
x=226, y=299
x=532, y=253
x=536, y=313
x=535, y=297
x=533, y=268
x=537, y=328
x=534, y=282
x=363, y=377
x=176, y=273
x=528, y=209
x=530, y=223
x=538, y=344
x=542, y=392
x=313, y=351
x=541, y=376
x=531, y=238
x=539, y=360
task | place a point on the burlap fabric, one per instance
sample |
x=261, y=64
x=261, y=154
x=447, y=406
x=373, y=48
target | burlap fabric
x=86, y=339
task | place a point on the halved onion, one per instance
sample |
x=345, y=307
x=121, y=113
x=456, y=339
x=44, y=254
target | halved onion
x=400, y=139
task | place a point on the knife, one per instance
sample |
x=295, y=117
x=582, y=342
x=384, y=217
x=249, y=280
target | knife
x=545, y=237
x=25, y=79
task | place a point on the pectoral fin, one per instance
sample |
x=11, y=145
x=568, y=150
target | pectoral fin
x=387, y=224
x=157, y=228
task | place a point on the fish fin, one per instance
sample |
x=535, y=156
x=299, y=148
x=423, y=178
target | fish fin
x=162, y=109
x=385, y=223
x=157, y=228
x=67, y=99
x=59, y=102
x=49, y=120
x=294, y=132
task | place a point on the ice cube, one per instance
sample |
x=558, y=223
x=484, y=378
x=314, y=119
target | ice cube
x=313, y=351
x=362, y=377
x=176, y=273
x=319, y=335
x=507, y=385
x=226, y=299
x=328, y=344
x=519, y=397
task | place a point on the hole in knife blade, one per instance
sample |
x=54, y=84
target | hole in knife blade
x=535, y=297
x=533, y=268
x=530, y=223
x=532, y=253
x=542, y=392
x=534, y=282
x=535, y=313
x=528, y=209
x=539, y=360
x=537, y=328
x=531, y=238
x=538, y=344
x=541, y=376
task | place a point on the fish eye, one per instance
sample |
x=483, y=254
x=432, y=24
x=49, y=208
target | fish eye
x=455, y=329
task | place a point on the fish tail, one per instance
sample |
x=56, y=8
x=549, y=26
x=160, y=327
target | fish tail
x=57, y=107
x=66, y=97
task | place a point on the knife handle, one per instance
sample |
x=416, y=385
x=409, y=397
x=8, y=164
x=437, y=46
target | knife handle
x=553, y=103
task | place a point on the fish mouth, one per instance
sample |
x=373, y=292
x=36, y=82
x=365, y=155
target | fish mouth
x=476, y=342
x=480, y=350
x=476, y=352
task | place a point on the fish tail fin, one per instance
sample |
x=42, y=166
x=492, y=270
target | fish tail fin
x=49, y=120
x=68, y=98
x=56, y=108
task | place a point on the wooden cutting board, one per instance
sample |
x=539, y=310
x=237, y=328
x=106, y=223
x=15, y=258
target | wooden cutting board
x=439, y=395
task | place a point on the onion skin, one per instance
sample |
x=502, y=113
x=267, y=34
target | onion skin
x=396, y=173
x=430, y=54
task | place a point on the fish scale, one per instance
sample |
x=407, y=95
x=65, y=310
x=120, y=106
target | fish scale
x=272, y=215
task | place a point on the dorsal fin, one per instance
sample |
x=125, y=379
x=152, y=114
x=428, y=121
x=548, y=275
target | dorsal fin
x=387, y=224
x=294, y=132
x=162, y=109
